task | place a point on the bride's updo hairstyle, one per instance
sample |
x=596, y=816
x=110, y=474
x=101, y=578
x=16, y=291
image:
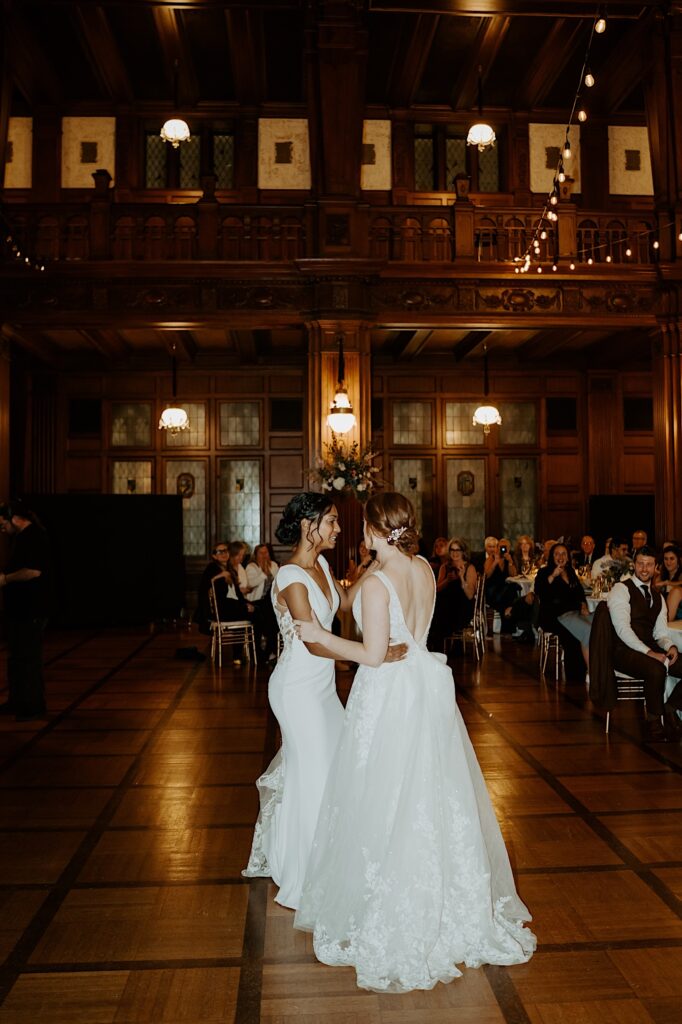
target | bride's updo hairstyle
x=391, y=515
x=307, y=505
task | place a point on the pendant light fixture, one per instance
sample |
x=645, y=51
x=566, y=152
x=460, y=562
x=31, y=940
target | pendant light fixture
x=175, y=130
x=173, y=418
x=486, y=415
x=341, y=417
x=481, y=134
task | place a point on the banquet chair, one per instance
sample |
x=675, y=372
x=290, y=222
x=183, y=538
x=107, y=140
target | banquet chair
x=607, y=685
x=550, y=644
x=477, y=628
x=627, y=688
x=224, y=634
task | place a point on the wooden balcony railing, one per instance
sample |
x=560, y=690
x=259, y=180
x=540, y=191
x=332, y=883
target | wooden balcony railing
x=153, y=232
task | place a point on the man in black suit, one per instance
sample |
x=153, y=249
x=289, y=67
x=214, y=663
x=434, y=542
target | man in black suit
x=643, y=647
x=586, y=554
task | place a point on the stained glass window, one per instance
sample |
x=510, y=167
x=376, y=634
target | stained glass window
x=465, y=490
x=518, y=496
x=459, y=426
x=195, y=435
x=414, y=479
x=412, y=423
x=190, y=153
x=134, y=477
x=240, y=500
x=223, y=160
x=131, y=424
x=188, y=479
x=155, y=174
x=239, y=424
x=519, y=423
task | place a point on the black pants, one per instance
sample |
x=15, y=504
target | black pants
x=641, y=666
x=25, y=665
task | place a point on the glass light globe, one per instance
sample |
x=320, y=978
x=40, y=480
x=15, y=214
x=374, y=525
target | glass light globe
x=173, y=419
x=481, y=135
x=341, y=418
x=175, y=131
x=485, y=416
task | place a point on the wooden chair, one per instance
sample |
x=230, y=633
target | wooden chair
x=225, y=634
x=477, y=628
x=550, y=644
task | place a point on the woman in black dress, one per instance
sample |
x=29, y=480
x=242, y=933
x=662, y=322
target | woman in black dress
x=559, y=591
x=455, y=590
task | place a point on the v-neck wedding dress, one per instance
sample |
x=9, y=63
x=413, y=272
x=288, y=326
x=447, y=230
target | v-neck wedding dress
x=408, y=874
x=302, y=694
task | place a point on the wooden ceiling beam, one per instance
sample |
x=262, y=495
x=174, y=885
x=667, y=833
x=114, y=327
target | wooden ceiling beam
x=102, y=51
x=107, y=342
x=175, y=47
x=180, y=344
x=245, y=344
x=31, y=69
x=409, y=344
x=410, y=59
x=548, y=341
x=245, y=35
x=511, y=8
x=489, y=39
x=624, y=69
x=33, y=342
x=543, y=71
x=468, y=343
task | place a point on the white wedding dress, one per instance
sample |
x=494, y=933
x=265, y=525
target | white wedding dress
x=409, y=874
x=302, y=694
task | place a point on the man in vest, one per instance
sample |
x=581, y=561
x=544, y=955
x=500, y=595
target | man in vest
x=643, y=647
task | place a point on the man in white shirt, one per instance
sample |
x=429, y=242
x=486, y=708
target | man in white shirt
x=618, y=553
x=643, y=648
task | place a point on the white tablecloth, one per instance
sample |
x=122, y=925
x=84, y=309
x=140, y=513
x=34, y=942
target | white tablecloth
x=527, y=583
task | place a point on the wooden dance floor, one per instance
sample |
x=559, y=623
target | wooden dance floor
x=127, y=817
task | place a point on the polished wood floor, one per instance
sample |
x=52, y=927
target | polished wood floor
x=126, y=818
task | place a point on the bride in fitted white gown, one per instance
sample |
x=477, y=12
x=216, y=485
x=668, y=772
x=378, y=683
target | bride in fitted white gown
x=302, y=694
x=408, y=874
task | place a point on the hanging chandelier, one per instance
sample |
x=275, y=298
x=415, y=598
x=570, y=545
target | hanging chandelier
x=174, y=418
x=341, y=417
x=175, y=130
x=481, y=134
x=486, y=416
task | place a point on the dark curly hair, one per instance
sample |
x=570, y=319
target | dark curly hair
x=307, y=505
x=388, y=511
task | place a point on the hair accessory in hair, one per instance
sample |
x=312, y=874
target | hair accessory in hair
x=395, y=534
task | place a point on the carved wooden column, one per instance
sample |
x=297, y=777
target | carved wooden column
x=4, y=417
x=323, y=360
x=663, y=104
x=667, y=385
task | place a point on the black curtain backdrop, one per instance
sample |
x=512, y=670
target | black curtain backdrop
x=619, y=515
x=117, y=557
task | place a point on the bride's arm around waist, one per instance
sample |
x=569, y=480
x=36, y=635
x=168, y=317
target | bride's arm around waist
x=371, y=650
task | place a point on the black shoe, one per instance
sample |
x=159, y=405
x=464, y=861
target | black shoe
x=654, y=731
x=7, y=708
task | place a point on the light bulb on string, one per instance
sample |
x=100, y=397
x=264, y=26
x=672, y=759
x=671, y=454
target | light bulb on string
x=582, y=115
x=554, y=267
x=566, y=154
x=543, y=235
x=539, y=270
x=589, y=79
x=561, y=176
x=554, y=199
x=608, y=259
x=571, y=265
x=657, y=245
x=600, y=25
x=590, y=261
x=628, y=252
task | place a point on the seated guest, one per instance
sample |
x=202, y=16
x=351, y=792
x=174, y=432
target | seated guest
x=618, y=554
x=669, y=574
x=639, y=539
x=586, y=556
x=643, y=647
x=559, y=591
x=547, y=546
x=439, y=554
x=238, y=551
x=260, y=574
x=232, y=605
x=357, y=569
x=524, y=553
x=455, y=590
x=497, y=568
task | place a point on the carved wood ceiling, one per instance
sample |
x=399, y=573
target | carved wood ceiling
x=90, y=55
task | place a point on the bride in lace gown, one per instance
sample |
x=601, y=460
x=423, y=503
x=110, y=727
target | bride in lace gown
x=302, y=694
x=408, y=874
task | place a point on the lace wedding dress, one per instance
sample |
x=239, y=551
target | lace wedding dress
x=302, y=694
x=409, y=874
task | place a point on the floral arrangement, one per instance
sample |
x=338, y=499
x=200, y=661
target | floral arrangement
x=344, y=467
x=614, y=573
